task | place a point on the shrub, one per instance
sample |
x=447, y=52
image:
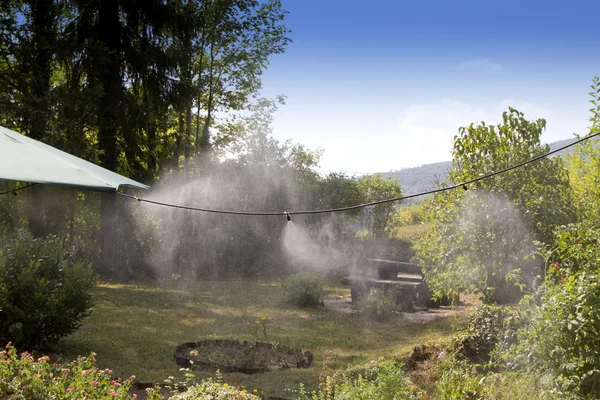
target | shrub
x=563, y=335
x=489, y=326
x=460, y=380
x=385, y=381
x=44, y=292
x=303, y=290
x=24, y=377
x=214, y=390
x=377, y=305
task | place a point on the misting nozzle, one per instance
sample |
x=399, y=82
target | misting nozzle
x=287, y=215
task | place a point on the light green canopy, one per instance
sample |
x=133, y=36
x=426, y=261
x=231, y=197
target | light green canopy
x=27, y=160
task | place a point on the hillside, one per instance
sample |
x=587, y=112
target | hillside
x=421, y=179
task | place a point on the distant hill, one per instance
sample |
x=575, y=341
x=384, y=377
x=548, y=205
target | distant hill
x=421, y=179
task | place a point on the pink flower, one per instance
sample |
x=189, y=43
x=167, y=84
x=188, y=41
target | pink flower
x=134, y=397
x=8, y=344
x=70, y=390
x=108, y=371
x=95, y=383
x=114, y=383
x=132, y=377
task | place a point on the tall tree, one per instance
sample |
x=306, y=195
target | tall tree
x=483, y=238
x=236, y=39
x=107, y=32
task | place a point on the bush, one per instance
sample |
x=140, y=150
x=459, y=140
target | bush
x=563, y=335
x=303, y=290
x=377, y=305
x=385, y=381
x=460, y=380
x=44, y=292
x=489, y=327
x=24, y=377
x=214, y=390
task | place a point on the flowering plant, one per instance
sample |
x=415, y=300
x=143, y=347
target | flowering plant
x=25, y=377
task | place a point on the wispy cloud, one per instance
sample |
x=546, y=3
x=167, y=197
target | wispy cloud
x=430, y=127
x=482, y=66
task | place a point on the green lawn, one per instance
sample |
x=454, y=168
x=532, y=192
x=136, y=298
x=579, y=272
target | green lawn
x=134, y=329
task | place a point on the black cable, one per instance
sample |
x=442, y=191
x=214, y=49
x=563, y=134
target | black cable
x=373, y=203
x=14, y=191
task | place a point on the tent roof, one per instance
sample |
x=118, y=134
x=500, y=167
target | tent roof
x=27, y=160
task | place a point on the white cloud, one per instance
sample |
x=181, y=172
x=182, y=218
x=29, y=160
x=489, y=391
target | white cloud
x=482, y=66
x=427, y=129
x=421, y=134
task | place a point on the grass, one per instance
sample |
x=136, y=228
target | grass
x=134, y=329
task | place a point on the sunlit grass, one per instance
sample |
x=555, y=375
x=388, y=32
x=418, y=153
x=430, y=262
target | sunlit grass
x=134, y=330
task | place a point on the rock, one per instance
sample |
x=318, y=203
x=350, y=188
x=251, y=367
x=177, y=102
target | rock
x=441, y=356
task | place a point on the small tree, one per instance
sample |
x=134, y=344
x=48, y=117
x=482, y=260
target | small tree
x=483, y=238
x=376, y=187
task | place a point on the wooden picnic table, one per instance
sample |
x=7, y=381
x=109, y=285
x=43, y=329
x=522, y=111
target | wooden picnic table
x=404, y=281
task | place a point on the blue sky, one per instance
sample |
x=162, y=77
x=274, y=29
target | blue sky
x=381, y=84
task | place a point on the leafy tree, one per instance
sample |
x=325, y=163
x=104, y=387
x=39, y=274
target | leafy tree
x=116, y=82
x=376, y=187
x=483, y=238
x=237, y=37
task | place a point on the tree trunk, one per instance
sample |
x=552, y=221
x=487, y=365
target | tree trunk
x=43, y=36
x=108, y=68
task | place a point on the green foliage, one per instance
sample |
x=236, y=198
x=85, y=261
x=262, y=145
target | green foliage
x=377, y=305
x=460, y=380
x=584, y=166
x=385, y=381
x=376, y=187
x=409, y=222
x=118, y=83
x=563, y=335
x=211, y=389
x=44, y=291
x=595, y=102
x=412, y=214
x=303, y=290
x=489, y=326
x=483, y=238
x=24, y=377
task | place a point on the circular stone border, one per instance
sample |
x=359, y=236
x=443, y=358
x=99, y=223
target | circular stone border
x=303, y=359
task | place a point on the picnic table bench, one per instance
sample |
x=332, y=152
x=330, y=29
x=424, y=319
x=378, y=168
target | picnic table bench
x=403, y=281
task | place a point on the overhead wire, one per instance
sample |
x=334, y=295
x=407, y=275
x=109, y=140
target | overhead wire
x=14, y=191
x=463, y=185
